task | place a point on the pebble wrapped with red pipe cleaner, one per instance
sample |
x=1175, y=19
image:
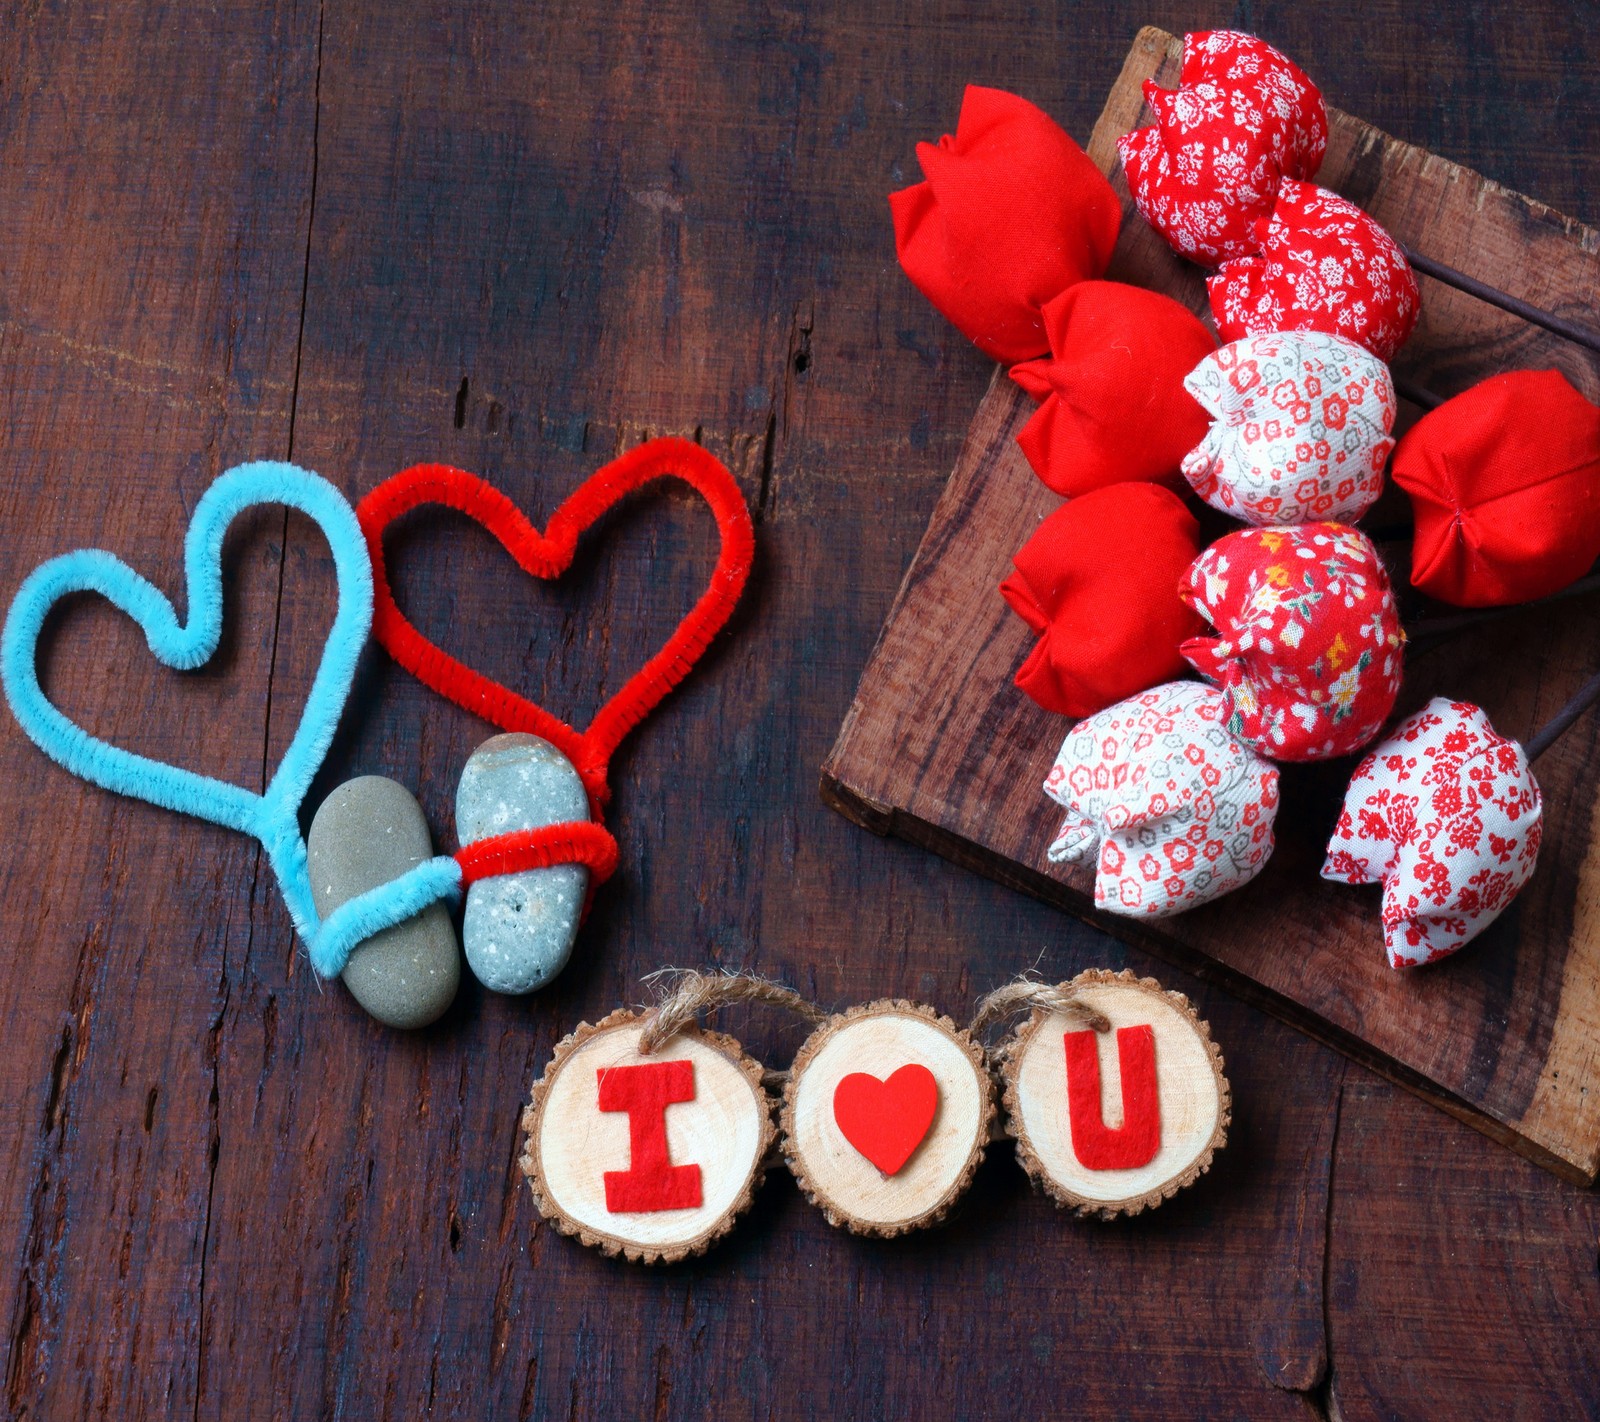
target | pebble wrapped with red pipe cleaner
x=1323, y=265
x=1308, y=656
x=1098, y=582
x=1011, y=214
x=1113, y=406
x=1242, y=119
x=1446, y=814
x=1505, y=484
x=1301, y=428
x=1173, y=808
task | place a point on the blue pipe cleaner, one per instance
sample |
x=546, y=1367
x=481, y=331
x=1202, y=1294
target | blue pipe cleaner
x=272, y=818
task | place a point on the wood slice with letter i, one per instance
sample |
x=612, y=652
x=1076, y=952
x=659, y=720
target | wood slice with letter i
x=886, y=1116
x=652, y=1157
x=1111, y=1123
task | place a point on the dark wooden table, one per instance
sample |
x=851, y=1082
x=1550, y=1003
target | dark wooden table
x=517, y=237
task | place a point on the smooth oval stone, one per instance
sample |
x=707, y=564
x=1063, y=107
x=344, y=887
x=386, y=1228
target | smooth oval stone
x=519, y=928
x=369, y=831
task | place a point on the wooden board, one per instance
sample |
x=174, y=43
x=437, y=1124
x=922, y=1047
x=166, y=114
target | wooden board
x=941, y=748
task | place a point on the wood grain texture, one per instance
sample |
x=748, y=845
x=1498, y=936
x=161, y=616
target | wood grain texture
x=540, y=231
x=941, y=746
x=878, y=1039
x=1192, y=1103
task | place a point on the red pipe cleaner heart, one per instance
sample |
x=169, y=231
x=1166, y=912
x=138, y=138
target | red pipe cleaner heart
x=548, y=555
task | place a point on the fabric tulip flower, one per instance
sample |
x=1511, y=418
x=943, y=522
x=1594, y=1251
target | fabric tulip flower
x=1113, y=405
x=1098, y=582
x=1242, y=119
x=1301, y=430
x=1011, y=214
x=1445, y=814
x=1308, y=656
x=1323, y=265
x=1505, y=485
x=1172, y=809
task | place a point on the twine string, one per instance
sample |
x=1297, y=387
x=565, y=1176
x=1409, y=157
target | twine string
x=692, y=992
x=1024, y=994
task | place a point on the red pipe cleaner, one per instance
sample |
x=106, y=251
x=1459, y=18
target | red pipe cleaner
x=548, y=555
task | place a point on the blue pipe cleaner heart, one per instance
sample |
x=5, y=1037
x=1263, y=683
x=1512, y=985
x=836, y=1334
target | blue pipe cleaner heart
x=272, y=818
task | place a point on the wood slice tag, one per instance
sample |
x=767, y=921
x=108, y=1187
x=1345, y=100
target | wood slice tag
x=652, y=1157
x=1112, y=1123
x=886, y=1116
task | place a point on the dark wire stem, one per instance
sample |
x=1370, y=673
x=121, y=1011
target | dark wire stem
x=1425, y=399
x=1549, y=733
x=1460, y=621
x=1536, y=315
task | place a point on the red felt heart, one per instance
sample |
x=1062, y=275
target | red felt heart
x=548, y=555
x=887, y=1120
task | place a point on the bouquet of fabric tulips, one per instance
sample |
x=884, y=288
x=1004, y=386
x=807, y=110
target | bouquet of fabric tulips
x=1170, y=786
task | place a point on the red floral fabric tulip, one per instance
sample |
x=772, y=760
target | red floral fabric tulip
x=1098, y=582
x=1447, y=816
x=1013, y=212
x=1207, y=170
x=1324, y=265
x=1308, y=651
x=1113, y=404
x=1505, y=484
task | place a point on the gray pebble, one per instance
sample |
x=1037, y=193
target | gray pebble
x=369, y=831
x=519, y=928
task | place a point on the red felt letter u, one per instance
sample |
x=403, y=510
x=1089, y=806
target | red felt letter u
x=1136, y=1140
x=650, y=1182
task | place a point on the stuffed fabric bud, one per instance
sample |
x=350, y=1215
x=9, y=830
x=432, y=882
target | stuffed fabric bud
x=1505, y=484
x=1301, y=430
x=1173, y=810
x=1207, y=170
x=1447, y=816
x=1324, y=265
x=1308, y=656
x=1098, y=582
x=1113, y=406
x=1012, y=213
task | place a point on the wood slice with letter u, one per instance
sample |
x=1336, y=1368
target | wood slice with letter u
x=886, y=1116
x=1112, y=1123
x=652, y=1157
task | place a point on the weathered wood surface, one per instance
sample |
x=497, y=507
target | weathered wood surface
x=941, y=746
x=513, y=236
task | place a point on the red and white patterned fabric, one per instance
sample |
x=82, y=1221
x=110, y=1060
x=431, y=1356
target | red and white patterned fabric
x=1207, y=170
x=1309, y=653
x=1300, y=430
x=1323, y=265
x=1447, y=815
x=1173, y=809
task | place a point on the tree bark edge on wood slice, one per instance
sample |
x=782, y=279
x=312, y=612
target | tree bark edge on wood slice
x=1012, y=1054
x=705, y=1046
x=945, y=1158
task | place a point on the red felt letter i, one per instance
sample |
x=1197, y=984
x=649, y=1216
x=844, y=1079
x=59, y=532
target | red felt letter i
x=650, y=1182
x=1136, y=1140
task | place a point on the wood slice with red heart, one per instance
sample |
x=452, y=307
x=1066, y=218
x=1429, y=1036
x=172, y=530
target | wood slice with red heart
x=885, y=1117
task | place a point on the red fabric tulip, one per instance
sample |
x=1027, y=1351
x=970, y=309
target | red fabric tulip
x=1098, y=582
x=1324, y=265
x=1505, y=484
x=1013, y=212
x=1114, y=407
x=1207, y=170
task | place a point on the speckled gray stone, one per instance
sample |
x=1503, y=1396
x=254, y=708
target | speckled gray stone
x=519, y=928
x=369, y=831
